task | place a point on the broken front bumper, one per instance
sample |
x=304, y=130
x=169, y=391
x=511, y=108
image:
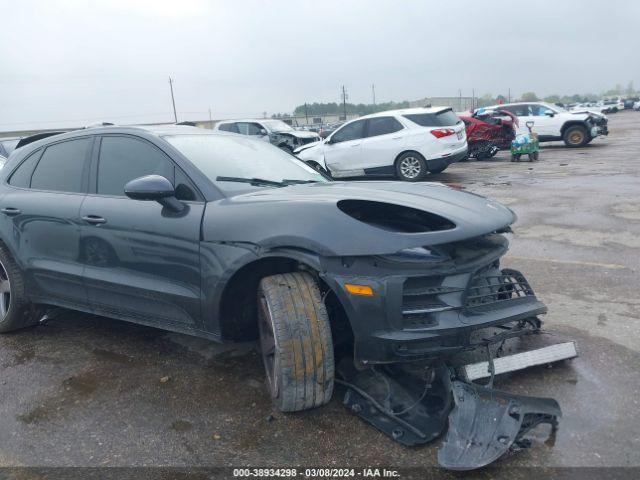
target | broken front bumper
x=415, y=403
x=438, y=311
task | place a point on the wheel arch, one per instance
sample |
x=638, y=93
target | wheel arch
x=409, y=150
x=573, y=123
x=238, y=306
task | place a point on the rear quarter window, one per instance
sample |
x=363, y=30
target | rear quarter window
x=21, y=177
x=445, y=118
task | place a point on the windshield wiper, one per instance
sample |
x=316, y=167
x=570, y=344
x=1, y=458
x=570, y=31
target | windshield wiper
x=286, y=181
x=260, y=182
x=253, y=181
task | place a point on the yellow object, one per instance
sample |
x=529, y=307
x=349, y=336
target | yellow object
x=359, y=289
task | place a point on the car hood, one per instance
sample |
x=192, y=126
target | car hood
x=593, y=113
x=299, y=134
x=309, y=217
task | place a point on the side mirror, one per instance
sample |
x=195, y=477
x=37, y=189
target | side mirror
x=153, y=187
x=263, y=132
x=549, y=113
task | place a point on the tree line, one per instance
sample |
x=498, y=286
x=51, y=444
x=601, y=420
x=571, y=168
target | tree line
x=334, y=108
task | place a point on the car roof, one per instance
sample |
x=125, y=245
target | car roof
x=253, y=120
x=141, y=130
x=406, y=111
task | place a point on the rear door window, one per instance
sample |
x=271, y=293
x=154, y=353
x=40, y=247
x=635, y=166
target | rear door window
x=518, y=110
x=446, y=118
x=248, y=128
x=61, y=166
x=538, y=110
x=123, y=159
x=351, y=131
x=383, y=126
x=228, y=127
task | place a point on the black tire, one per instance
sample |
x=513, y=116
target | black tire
x=575, y=136
x=295, y=339
x=411, y=167
x=15, y=311
x=534, y=156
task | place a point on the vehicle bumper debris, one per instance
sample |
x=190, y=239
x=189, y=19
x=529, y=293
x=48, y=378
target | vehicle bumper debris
x=415, y=403
x=485, y=424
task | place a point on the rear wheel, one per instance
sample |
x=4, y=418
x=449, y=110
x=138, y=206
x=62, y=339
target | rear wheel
x=15, y=311
x=411, y=167
x=576, y=136
x=295, y=339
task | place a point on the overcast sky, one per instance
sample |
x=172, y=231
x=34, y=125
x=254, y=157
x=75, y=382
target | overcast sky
x=65, y=63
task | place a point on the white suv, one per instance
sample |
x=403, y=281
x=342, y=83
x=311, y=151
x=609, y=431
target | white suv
x=407, y=143
x=551, y=122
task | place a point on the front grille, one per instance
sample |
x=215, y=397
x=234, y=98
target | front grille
x=487, y=289
x=420, y=301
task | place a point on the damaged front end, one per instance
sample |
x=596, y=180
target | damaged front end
x=437, y=308
x=414, y=271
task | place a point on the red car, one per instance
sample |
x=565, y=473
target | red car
x=489, y=131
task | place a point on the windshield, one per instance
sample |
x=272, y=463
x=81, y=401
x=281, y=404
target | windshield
x=236, y=158
x=555, y=108
x=276, y=125
x=445, y=118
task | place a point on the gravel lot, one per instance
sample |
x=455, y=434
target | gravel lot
x=89, y=391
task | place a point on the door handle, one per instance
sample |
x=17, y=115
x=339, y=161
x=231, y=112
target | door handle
x=10, y=211
x=355, y=145
x=396, y=138
x=94, y=219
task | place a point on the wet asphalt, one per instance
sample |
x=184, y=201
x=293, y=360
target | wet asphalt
x=90, y=391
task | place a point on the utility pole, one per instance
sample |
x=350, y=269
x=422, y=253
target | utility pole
x=460, y=100
x=344, y=103
x=473, y=99
x=509, y=95
x=210, y=119
x=373, y=92
x=173, y=101
x=306, y=113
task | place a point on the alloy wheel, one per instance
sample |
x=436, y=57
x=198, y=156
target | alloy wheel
x=267, y=344
x=410, y=167
x=576, y=138
x=5, y=292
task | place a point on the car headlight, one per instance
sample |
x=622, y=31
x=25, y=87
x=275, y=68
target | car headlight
x=415, y=254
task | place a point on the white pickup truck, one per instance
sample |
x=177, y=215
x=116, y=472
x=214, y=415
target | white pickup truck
x=551, y=122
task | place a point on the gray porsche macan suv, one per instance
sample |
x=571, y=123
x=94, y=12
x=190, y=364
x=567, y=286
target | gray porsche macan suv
x=228, y=238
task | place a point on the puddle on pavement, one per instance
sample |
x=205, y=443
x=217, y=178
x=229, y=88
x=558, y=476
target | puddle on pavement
x=110, y=356
x=24, y=355
x=35, y=415
x=181, y=426
x=85, y=383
